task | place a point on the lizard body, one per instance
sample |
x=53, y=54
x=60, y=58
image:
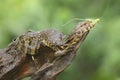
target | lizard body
x=31, y=41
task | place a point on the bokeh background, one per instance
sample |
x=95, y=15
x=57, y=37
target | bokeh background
x=98, y=57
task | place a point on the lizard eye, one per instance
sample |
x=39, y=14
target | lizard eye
x=14, y=39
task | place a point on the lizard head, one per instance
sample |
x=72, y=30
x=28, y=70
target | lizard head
x=80, y=29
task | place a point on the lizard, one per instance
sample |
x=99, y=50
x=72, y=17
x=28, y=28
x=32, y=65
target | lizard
x=31, y=41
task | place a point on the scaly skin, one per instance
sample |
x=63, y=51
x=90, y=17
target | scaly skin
x=31, y=41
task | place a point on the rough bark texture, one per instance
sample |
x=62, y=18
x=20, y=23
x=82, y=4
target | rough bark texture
x=16, y=65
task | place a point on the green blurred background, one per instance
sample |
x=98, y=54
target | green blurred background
x=99, y=56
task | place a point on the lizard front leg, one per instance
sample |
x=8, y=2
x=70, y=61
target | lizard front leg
x=31, y=47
